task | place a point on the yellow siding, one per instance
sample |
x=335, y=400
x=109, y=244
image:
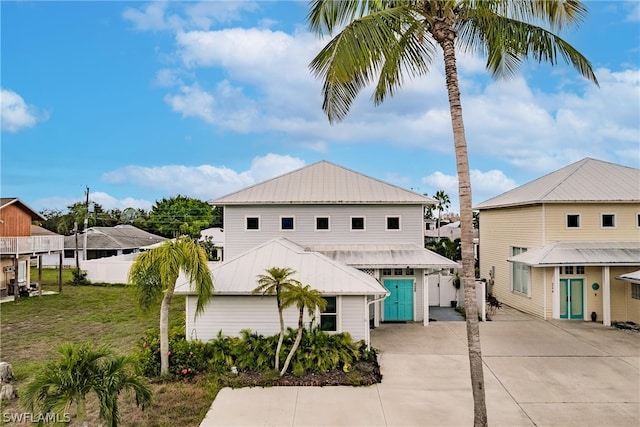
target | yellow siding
x=500, y=230
x=633, y=305
x=626, y=228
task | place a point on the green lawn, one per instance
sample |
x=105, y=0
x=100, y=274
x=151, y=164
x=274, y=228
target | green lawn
x=33, y=327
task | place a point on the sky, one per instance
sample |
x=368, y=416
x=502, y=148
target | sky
x=141, y=101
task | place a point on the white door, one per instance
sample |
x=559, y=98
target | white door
x=434, y=290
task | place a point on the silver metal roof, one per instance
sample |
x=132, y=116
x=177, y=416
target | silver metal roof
x=581, y=253
x=323, y=183
x=633, y=277
x=384, y=256
x=238, y=276
x=588, y=180
x=122, y=236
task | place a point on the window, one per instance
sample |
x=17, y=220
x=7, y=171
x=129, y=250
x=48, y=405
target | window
x=409, y=272
x=397, y=272
x=322, y=223
x=286, y=223
x=386, y=272
x=568, y=269
x=69, y=253
x=253, y=223
x=357, y=223
x=635, y=290
x=573, y=220
x=638, y=220
x=608, y=220
x=393, y=223
x=580, y=269
x=329, y=316
x=519, y=274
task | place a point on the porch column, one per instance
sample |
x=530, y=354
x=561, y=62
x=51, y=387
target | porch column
x=16, y=286
x=606, y=296
x=555, y=294
x=425, y=299
x=40, y=275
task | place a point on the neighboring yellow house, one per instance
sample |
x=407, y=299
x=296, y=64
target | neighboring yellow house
x=558, y=247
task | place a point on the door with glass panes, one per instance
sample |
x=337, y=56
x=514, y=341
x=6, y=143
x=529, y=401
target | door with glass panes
x=571, y=299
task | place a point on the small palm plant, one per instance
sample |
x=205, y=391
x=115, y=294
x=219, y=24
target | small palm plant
x=275, y=282
x=303, y=297
x=79, y=371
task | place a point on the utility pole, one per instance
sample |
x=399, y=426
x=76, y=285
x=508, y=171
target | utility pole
x=86, y=223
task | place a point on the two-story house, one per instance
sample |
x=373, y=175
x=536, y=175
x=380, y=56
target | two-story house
x=556, y=246
x=356, y=239
x=18, y=244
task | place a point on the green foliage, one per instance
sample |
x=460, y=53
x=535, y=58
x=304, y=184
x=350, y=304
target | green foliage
x=181, y=216
x=79, y=277
x=322, y=352
x=446, y=247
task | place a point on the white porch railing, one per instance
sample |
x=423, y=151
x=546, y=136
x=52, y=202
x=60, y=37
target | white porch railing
x=31, y=244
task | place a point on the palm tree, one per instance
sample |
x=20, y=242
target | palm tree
x=387, y=39
x=80, y=370
x=154, y=274
x=301, y=296
x=275, y=282
x=443, y=204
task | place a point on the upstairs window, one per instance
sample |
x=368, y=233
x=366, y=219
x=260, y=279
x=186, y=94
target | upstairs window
x=393, y=223
x=357, y=223
x=253, y=223
x=608, y=220
x=329, y=316
x=286, y=223
x=322, y=223
x=573, y=220
x=519, y=274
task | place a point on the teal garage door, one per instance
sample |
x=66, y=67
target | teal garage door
x=399, y=305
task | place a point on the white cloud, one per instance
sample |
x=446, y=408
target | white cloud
x=16, y=113
x=204, y=182
x=109, y=202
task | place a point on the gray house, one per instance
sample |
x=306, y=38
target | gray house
x=349, y=222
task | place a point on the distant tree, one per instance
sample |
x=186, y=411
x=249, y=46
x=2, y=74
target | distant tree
x=443, y=204
x=180, y=215
x=446, y=247
x=154, y=274
x=302, y=297
x=276, y=281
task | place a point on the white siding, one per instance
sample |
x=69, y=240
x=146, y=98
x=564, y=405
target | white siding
x=239, y=240
x=353, y=317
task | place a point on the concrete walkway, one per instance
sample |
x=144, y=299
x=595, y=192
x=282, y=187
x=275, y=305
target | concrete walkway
x=537, y=373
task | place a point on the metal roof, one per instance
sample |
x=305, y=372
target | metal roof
x=238, y=276
x=323, y=183
x=384, y=256
x=633, y=277
x=119, y=237
x=581, y=253
x=588, y=180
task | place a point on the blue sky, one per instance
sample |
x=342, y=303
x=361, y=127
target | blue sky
x=141, y=101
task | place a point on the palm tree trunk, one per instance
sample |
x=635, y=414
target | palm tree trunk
x=466, y=224
x=296, y=342
x=164, y=331
x=281, y=337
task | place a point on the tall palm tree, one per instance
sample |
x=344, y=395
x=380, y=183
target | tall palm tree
x=154, y=274
x=388, y=39
x=81, y=370
x=301, y=296
x=275, y=282
x=443, y=204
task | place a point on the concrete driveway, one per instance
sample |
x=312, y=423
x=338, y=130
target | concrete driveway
x=537, y=373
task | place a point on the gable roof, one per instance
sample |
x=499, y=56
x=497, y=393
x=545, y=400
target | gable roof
x=6, y=201
x=123, y=236
x=633, y=277
x=323, y=183
x=238, y=276
x=588, y=180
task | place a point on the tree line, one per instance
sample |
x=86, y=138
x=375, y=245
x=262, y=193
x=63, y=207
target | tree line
x=169, y=217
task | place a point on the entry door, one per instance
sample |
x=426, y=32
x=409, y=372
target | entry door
x=434, y=290
x=571, y=299
x=399, y=305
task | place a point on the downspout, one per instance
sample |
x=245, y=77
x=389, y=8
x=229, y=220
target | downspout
x=387, y=293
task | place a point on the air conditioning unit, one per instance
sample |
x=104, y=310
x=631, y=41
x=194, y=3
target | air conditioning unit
x=9, y=269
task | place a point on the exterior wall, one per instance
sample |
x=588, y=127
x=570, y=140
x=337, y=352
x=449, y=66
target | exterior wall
x=626, y=227
x=5, y=278
x=239, y=240
x=16, y=222
x=232, y=314
x=633, y=305
x=500, y=230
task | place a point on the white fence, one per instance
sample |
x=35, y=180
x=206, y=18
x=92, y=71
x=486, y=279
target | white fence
x=481, y=298
x=113, y=269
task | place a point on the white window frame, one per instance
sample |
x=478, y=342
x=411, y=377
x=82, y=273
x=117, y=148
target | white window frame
x=315, y=223
x=293, y=218
x=246, y=226
x=336, y=313
x=520, y=273
x=364, y=223
x=386, y=223
x=608, y=227
x=566, y=221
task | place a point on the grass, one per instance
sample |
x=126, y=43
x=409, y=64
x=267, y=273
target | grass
x=32, y=329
